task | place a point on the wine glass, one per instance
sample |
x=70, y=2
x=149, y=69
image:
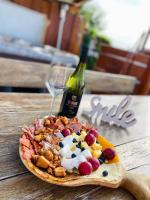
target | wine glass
x=55, y=83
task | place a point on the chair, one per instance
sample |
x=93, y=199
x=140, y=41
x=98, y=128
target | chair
x=139, y=67
x=111, y=59
x=123, y=62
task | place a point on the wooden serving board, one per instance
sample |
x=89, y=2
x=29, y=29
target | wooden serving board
x=138, y=185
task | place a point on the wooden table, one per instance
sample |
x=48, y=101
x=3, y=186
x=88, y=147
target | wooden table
x=33, y=75
x=16, y=182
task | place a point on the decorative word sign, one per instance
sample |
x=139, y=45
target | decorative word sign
x=116, y=115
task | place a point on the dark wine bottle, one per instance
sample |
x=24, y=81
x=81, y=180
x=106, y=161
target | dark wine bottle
x=74, y=89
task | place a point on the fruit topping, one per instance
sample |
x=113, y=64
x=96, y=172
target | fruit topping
x=93, y=132
x=82, y=149
x=61, y=144
x=90, y=139
x=108, y=154
x=78, y=133
x=66, y=132
x=74, y=140
x=73, y=147
x=96, y=153
x=73, y=155
x=77, y=137
x=105, y=173
x=85, y=145
x=83, y=134
x=96, y=146
x=105, y=143
x=94, y=162
x=85, y=168
x=78, y=145
x=101, y=160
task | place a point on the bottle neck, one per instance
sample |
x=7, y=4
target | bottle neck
x=80, y=69
x=82, y=63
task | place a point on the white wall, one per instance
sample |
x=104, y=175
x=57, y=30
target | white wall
x=20, y=22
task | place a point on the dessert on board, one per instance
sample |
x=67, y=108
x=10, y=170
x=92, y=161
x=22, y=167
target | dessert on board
x=59, y=149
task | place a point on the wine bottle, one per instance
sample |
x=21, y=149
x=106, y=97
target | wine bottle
x=74, y=89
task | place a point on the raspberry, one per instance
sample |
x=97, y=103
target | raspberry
x=108, y=154
x=94, y=162
x=66, y=132
x=93, y=132
x=90, y=139
x=85, y=168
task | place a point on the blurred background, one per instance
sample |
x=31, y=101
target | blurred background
x=36, y=33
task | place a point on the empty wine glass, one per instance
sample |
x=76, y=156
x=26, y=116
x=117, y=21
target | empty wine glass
x=55, y=83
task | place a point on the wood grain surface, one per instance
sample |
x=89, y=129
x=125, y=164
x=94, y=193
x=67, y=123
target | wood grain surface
x=16, y=182
x=15, y=73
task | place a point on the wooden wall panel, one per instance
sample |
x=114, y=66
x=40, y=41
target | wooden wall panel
x=110, y=64
x=144, y=88
x=136, y=71
x=52, y=32
x=45, y=8
x=77, y=35
x=68, y=30
x=16, y=1
x=36, y=5
x=26, y=3
x=114, y=51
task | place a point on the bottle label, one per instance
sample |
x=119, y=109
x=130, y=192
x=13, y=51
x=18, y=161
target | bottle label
x=70, y=104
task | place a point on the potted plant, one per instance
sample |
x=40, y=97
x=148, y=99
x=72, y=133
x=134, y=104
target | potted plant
x=93, y=37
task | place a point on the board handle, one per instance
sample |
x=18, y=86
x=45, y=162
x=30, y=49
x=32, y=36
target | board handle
x=138, y=185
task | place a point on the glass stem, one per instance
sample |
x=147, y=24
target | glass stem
x=52, y=104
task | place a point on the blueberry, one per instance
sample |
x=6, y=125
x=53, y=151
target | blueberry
x=74, y=140
x=105, y=173
x=79, y=143
x=101, y=160
x=78, y=146
x=83, y=149
x=73, y=155
x=78, y=133
x=61, y=144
